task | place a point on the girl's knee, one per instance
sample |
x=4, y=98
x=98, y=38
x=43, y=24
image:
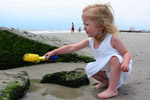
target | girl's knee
x=114, y=60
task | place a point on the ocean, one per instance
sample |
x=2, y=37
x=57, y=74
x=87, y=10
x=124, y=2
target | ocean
x=50, y=31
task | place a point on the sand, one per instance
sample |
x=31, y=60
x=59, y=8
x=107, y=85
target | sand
x=137, y=87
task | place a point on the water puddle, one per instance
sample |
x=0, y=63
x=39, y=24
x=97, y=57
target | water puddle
x=34, y=85
x=57, y=91
x=65, y=92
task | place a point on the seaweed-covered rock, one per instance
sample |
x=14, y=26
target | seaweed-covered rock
x=13, y=86
x=75, y=78
x=15, y=43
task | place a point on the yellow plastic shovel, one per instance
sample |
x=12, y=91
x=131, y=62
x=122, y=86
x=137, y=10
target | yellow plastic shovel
x=35, y=58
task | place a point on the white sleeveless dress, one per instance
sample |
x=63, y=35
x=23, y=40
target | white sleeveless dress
x=102, y=56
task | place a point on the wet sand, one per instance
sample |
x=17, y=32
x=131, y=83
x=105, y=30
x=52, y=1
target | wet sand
x=137, y=87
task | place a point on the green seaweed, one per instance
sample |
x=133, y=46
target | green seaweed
x=14, y=90
x=13, y=47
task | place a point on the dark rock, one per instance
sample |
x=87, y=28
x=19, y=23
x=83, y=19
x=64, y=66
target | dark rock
x=13, y=86
x=75, y=78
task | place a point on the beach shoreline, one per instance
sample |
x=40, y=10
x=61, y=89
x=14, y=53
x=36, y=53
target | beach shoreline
x=135, y=88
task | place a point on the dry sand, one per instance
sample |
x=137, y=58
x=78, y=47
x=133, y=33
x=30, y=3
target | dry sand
x=137, y=87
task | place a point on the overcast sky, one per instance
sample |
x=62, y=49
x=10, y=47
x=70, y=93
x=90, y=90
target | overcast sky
x=59, y=14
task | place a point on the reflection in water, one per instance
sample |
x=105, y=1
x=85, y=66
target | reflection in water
x=57, y=91
x=65, y=92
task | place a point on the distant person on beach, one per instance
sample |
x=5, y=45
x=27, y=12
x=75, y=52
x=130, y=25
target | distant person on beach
x=72, y=28
x=79, y=29
x=113, y=62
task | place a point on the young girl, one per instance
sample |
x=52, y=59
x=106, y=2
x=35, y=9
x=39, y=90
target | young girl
x=113, y=64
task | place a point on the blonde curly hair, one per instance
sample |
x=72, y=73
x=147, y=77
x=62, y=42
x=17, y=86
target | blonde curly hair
x=102, y=15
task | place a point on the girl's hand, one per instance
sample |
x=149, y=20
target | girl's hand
x=124, y=67
x=48, y=54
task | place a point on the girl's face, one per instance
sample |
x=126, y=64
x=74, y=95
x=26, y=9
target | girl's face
x=91, y=29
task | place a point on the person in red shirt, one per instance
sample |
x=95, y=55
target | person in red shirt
x=72, y=29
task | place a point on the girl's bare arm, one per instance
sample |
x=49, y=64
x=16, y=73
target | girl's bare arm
x=118, y=44
x=68, y=48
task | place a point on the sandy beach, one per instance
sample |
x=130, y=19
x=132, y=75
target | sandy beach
x=137, y=87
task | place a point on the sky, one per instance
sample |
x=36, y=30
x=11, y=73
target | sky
x=59, y=14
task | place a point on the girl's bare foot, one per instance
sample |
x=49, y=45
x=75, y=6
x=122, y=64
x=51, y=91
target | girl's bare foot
x=101, y=85
x=108, y=94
